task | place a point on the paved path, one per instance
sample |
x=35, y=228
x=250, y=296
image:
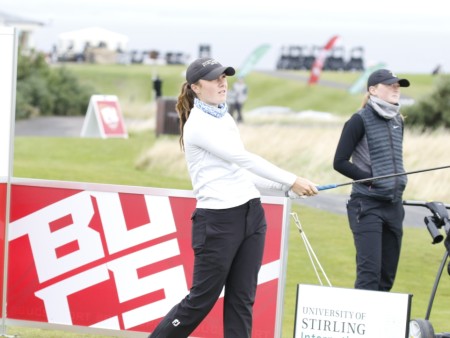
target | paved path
x=414, y=216
x=58, y=126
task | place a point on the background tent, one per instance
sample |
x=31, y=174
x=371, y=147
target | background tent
x=74, y=44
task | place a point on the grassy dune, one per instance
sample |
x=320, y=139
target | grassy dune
x=308, y=150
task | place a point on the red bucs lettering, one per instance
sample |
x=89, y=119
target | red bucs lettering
x=102, y=256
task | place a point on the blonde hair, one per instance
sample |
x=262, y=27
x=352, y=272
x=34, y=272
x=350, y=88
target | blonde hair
x=365, y=100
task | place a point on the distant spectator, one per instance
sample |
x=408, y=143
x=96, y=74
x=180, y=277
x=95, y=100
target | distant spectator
x=54, y=54
x=437, y=70
x=157, y=86
x=231, y=101
x=240, y=96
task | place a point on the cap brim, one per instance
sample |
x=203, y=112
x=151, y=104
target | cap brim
x=214, y=74
x=401, y=82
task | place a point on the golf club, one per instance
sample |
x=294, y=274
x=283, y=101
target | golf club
x=371, y=179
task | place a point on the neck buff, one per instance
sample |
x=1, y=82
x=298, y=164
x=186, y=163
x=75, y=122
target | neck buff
x=218, y=112
x=383, y=108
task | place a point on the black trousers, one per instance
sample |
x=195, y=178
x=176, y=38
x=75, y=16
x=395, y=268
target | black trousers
x=377, y=232
x=228, y=246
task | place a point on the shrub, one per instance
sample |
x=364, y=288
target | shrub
x=434, y=110
x=70, y=98
x=43, y=90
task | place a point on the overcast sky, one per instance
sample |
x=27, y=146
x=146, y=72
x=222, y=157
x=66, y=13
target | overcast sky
x=409, y=36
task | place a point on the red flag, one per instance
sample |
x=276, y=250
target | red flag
x=320, y=59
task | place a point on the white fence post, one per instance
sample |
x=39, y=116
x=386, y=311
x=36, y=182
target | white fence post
x=8, y=76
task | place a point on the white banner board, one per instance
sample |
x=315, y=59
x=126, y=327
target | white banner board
x=331, y=312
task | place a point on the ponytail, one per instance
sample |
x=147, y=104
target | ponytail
x=365, y=100
x=183, y=107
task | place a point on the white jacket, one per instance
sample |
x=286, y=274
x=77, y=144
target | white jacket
x=223, y=173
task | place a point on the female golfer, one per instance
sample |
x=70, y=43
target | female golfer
x=373, y=139
x=228, y=224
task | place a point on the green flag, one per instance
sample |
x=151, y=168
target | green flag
x=359, y=84
x=252, y=60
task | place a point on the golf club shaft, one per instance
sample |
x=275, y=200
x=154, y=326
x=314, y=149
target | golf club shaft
x=371, y=179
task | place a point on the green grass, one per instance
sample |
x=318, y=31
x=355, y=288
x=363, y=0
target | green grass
x=133, y=85
x=298, y=95
x=132, y=82
x=111, y=161
x=421, y=84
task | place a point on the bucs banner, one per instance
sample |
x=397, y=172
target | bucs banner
x=118, y=258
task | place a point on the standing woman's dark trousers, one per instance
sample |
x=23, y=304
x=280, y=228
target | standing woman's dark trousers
x=228, y=246
x=377, y=233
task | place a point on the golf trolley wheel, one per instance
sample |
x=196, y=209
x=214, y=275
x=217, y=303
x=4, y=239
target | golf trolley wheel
x=420, y=328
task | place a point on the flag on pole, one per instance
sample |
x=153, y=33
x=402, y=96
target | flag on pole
x=316, y=69
x=359, y=84
x=252, y=60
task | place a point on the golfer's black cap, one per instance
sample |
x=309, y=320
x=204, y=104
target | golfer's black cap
x=385, y=76
x=206, y=69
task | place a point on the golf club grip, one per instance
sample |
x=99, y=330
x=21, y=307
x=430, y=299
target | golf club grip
x=326, y=187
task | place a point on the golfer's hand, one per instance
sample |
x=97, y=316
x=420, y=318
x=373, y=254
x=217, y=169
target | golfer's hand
x=304, y=187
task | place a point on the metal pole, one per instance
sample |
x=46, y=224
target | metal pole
x=8, y=67
x=435, y=286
